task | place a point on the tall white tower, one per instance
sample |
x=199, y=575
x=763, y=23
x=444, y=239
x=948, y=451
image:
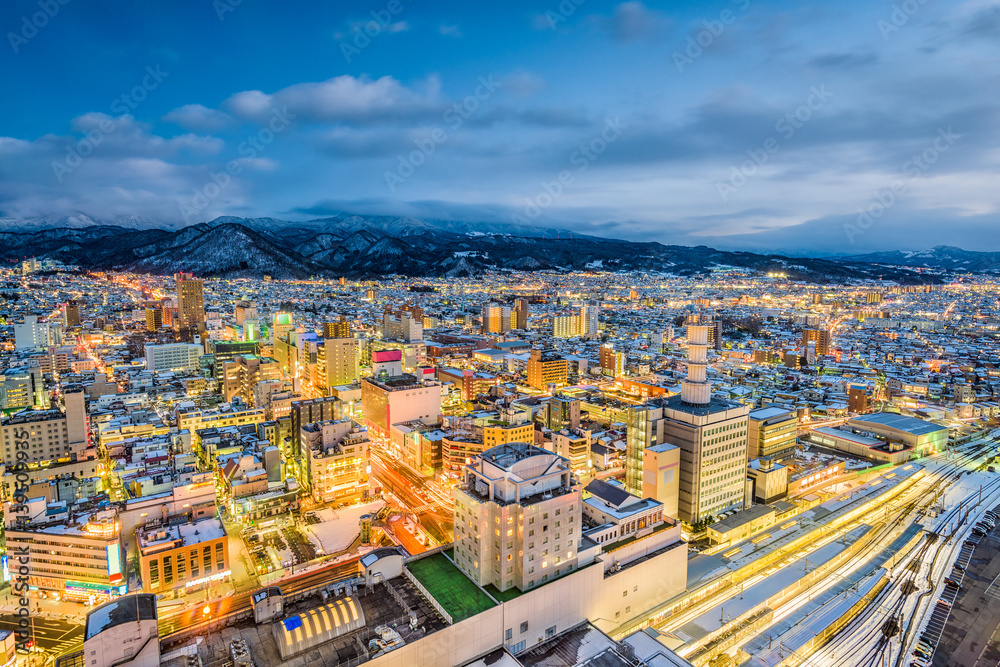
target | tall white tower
x=695, y=389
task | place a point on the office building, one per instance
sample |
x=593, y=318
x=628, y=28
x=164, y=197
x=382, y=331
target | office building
x=520, y=314
x=518, y=518
x=612, y=363
x=771, y=432
x=54, y=436
x=589, y=327
x=174, y=357
x=402, y=326
x=154, y=318
x=245, y=312
x=546, y=367
x=31, y=334
x=188, y=556
x=391, y=396
x=76, y=557
x=710, y=432
x=562, y=412
x=661, y=478
x=241, y=375
x=22, y=388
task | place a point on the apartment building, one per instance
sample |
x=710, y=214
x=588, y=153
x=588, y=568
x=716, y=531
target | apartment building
x=337, y=461
x=188, y=556
x=174, y=357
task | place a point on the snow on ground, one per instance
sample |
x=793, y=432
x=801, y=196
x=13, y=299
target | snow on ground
x=337, y=529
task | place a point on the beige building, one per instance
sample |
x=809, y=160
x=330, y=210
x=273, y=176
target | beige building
x=771, y=432
x=338, y=362
x=53, y=436
x=77, y=558
x=241, y=375
x=518, y=518
x=661, y=476
x=337, y=461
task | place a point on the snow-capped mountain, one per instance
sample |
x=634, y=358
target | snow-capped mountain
x=942, y=258
x=358, y=246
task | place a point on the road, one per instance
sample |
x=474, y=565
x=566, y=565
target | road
x=408, y=487
x=53, y=635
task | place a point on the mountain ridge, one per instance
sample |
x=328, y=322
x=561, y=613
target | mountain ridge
x=372, y=246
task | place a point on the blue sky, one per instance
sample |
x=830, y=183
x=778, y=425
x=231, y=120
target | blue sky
x=828, y=128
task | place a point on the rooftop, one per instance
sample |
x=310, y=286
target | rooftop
x=127, y=609
x=454, y=591
x=911, y=425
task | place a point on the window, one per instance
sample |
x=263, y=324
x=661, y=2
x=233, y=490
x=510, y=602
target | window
x=508, y=633
x=550, y=632
x=524, y=627
x=518, y=647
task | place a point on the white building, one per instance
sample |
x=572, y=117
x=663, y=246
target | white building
x=31, y=334
x=176, y=357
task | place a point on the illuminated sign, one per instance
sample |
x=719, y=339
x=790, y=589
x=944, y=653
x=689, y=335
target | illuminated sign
x=114, y=563
x=204, y=580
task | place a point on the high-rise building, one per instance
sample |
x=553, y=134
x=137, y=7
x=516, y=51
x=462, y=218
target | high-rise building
x=546, y=367
x=859, y=399
x=710, y=432
x=31, y=334
x=154, y=318
x=338, y=329
x=771, y=432
x=391, y=396
x=402, y=326
x=339, y=362
x=337, y=463
x=190, y=300
x=562, y=412
x=53, y=435
x=496, y=318
x=520, y=314
x=612, y=363
x=71, y=314
x=518, y=518
x=281, y=326
x=821, y=338
x=589, y=321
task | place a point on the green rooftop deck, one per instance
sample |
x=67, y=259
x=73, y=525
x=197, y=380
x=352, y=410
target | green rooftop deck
x=455, y=592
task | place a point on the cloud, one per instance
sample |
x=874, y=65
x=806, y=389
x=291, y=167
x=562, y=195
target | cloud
x=341, y=99
x=846, y=61
x=198, y=117
x=449, y=30
x=633, y=21
x=523, y=84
